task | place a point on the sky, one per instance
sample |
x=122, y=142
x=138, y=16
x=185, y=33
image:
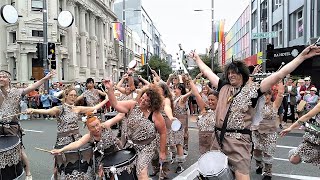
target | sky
x=177, y=21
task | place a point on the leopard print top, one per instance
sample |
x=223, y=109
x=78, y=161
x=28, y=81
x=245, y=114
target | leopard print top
x=92, y=97
x=10, y=105
x=268, y=124
x=67, y=122
x=178, y=110
x=207, y=121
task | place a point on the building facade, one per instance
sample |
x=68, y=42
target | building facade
x=86, y=49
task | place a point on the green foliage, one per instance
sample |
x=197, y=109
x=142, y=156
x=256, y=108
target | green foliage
x=156, y=63
x=207, y=60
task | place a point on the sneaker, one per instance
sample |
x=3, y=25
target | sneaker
x=179, y=169
x=259, y=170
x=28, y=177
x=266, y=178
x=185, y=152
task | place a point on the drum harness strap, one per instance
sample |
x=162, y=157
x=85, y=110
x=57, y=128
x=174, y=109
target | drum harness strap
x=224, y=129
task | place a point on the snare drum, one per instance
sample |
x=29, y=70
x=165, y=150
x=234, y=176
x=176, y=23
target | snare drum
x=75, y=164
x=120, y=164
x=213, y=165
x=10, y=158
x=111, y=115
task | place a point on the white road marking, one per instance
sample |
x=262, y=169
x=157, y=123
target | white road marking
x=30, y=130
x=188, y=174
x=296, y=176
x=287, y=147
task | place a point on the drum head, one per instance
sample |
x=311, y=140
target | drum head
x=112, y=114
x=8, y=142
x=212, y=163
x=119, y=158
x=132, y=64
x=176, y=125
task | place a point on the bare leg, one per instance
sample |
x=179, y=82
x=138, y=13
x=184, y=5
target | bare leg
x=26, y=163
x=143, y=174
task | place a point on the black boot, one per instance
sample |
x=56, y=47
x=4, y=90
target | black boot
x=266, y=178
x=259, y=170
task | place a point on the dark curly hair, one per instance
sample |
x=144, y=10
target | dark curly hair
x=166, y=92
x=238, y=67
x=155, y=96
x=182, y=88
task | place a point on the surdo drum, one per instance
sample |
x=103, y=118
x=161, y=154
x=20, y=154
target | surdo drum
x=213, y=165
x=80, y=160
x=120, y=164
x=110, y=115
x=10, y=156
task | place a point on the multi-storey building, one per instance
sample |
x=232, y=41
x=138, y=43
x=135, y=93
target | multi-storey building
x=86, y=49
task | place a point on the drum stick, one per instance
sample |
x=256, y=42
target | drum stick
x=44, y=150
x=149, y=67
x=160, y=170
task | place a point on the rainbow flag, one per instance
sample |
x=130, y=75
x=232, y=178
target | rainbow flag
x=219, y=30
x=117, y=31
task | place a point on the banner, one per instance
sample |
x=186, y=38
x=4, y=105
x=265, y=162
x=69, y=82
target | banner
x=117, y=31
x=219, y=31
x=142, y=59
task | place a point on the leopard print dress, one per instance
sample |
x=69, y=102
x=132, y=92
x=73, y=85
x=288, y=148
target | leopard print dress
x=68, y=132
x=264, y=136
x=142, y=132
x=177, y=137
x=10, y=126
x=309, y=149
x=92, y=97
x=206, y=124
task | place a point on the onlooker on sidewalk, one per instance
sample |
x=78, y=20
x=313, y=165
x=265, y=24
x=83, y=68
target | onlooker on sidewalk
x=289, y=100
x=46, y=101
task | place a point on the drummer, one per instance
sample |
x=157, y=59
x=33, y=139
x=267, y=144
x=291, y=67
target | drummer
x=10, y=98
x=127, y=92
x=234, y=111
x=264, y=133
x=103, y=140
x=206, y=121
x=68, y=116
x=144, y=125
x=308, y=151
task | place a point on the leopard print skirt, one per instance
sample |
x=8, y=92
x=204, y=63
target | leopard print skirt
x=309, y=153
x=265, y=142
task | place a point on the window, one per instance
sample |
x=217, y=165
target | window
x=36, y=5
x=63, y=39
x=110, y=34
x=254, y=20
x=13, y=37
x=276, y=4
x=60, y=5
x=277, y=41
x=13, y=2
x=37, y=33
x=299, y=24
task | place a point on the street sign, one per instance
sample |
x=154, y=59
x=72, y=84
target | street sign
x=264, y=35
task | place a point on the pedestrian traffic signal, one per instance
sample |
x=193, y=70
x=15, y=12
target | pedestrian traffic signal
x=52, y=55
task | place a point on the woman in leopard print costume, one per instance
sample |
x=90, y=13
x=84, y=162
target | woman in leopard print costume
x=264, y=134
x=144, y=125
x=206, y=120
x=68, y=116
x=308, y=151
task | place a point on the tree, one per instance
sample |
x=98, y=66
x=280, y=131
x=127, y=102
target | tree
x=156, y=63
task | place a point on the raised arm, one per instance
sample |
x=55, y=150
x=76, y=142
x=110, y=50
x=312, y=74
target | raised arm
x=38, y=83
x=110, y=122
x=101, y=93
x=304, y=118
x=85, y=109
x=168, y=108
x=52, y=111
x=74, y=145
x=307, y=53
x=120, y=106
x=213, y=78
x=200, y=102
x=278, y=101
x=119, y=85
x=143, y=80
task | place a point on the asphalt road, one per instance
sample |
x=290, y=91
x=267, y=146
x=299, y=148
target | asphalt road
x=42, y=134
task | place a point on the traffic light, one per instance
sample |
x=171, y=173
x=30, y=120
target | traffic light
x=39, y=51
x=52, y=55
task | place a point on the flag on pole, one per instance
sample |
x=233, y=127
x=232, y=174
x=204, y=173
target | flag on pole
x=142, y=59
x=117, y=31
x=219, y=30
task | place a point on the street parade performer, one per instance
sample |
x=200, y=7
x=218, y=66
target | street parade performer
x=10, y=98
x=144, y=125
x=309, y=150
x=234, y=113
x=68, y=116
x=264, y=133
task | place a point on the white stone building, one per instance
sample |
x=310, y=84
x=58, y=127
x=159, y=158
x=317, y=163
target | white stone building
x=86, y=49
